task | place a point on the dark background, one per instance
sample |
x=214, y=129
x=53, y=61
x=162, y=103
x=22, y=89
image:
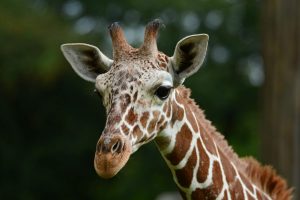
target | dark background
x=50, y=120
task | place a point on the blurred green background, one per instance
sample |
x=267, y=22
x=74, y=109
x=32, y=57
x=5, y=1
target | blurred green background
x=50, y=119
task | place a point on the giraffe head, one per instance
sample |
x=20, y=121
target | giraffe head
x=135, y=88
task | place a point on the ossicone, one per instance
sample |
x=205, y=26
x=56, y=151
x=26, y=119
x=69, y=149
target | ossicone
x=150, y=37
x=119, y=42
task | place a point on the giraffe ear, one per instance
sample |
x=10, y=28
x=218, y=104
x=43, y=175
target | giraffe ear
x=86, y=60
x=188, y=56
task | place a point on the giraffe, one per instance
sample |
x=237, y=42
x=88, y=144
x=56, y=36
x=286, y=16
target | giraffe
x=143, y=93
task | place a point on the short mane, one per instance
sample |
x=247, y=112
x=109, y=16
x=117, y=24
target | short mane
x=264, y=176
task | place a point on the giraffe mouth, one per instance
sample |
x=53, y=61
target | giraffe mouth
x=111, y=155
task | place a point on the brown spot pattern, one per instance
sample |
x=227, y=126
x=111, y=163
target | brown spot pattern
x=160, y=121
x=180, y=113
x=144, y=119
x=204, y=163
x=225, y=196
x=169, y=109
x=183, y=142
x=185, y=174
x=151, y=125
x=217, y=177
x=131, y=116
x=153, y=122
x=174, y=113
x=137, y=132
x=125, y=129
x=206, y=193
x=125, y=100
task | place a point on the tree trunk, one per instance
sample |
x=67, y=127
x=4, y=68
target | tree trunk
x=281, y=114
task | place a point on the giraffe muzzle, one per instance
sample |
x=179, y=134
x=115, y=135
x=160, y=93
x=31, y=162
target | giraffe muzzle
x=112, y=153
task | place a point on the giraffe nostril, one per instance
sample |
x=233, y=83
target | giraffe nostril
x=117, y=147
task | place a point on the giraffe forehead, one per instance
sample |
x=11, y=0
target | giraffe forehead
x=134, y=73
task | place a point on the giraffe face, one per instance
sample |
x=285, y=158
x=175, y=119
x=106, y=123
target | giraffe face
x=134, y=94
x=136, y=88
x=134, y=97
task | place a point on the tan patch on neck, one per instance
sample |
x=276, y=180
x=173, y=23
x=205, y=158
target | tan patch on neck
x=205, y=193
x=203, y=165
x=177, y=113
x=185, y=175
x=183, y=143
x=217, y=178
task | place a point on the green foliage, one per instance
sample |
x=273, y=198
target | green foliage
x=50, y=121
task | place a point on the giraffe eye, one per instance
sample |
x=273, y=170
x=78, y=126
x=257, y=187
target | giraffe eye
x=163, y=92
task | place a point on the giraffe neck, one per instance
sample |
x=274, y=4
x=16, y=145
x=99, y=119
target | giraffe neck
x=201, y=162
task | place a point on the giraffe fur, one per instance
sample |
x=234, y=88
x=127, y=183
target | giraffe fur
x=141, y=89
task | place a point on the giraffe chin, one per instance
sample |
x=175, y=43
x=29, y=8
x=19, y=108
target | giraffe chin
x=107, y=165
